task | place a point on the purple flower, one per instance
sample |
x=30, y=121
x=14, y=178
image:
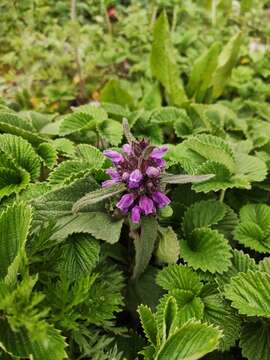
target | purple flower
x=114, y=156
x=158, y=153
x=125, y=202
x=127, y=149
x=125, y=176
x=135, y=179
x=146, y=204
x=152, y=171
x=108, y=183
x=160, y=199
x=113, y=173
x=136, y=214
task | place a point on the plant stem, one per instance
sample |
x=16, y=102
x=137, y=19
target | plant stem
x=214, y=12
x=222, y=195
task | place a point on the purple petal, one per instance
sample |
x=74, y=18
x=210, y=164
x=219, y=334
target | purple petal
x=136, y=214
x=160, y=163
x=127, y=149
x=107, y=183
x=146, y=204
x=158, y=153
x=134, y=179
x=114, y=156
x=113, y=173
x=125, y=176
x=152, y=171
x=125, y=202
x=160, y=199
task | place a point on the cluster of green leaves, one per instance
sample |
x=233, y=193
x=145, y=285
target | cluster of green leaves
x=78, y=280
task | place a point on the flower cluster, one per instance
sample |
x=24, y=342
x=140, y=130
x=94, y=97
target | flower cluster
x=139, y=167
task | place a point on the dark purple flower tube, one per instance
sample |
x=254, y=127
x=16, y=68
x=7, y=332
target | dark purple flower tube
x=114, y=156
x=136, y=214
x=125, y=202
x=152, y=171
x=146, y=204
x=160, y=199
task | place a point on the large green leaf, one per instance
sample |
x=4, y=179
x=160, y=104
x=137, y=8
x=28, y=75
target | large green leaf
x=14, y=224
x=192, y=341
x=144, y=245
x=179, y=277
x=253, y=230
x=111, y=130
x=202, y=72
x=207, y=250
x=255, y=340
x=20, y=344
x=114, y=92
x=226, y=61
x=249, y=293
x=78, y=255
x=163, y=64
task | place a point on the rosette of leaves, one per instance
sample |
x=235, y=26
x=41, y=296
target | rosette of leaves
x=168, y=340
x=253, y=231
x=206, y=225
x=199, y=301
x=209, y=154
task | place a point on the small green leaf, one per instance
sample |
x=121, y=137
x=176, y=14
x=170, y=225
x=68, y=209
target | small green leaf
x=113, y=92
x=148, y=323
x=168, y=246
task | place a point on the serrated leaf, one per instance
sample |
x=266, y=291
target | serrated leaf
x=66, y=171
x=255, y=340
x=48, y=154
x=163, y=64
x=14, y=224
x=96, y=223
x=191, y=341
x=189, y=306
x=264, y=265
x=21, y=153
x=97, y=196
x=111, y=130
x=78, y=255
x=148, y=323
x=185, y=179
x=144, y=245
x=75, y=122
x=207, y=250
x=13, y=181
x=179, y=277
x=90, y=154
x=168, y=246
x=217, y=312
x=203, y=214
x=20, y=344
x=253, y=230
x=249, y=293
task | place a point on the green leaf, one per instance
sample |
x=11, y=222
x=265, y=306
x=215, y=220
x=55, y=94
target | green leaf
x=144, y=245
x=13, y=181
x=219, y=313
x=253, y=230
x=163, y=64
x=66, y=171
x=97, y=196
x=203, y=214
x=202, y=72
x=111, y=130
x=249, y=293
x=255, y=340
x=22, y=154
x=168, y=246
x=264, y=265
x=91, y=155
x=179, y=277
x=191, y=341
x=169, y=319
x=20, y=344
x=185, y=179
x=48, y=154
x=226, y=61
x=14, y=224
x=98, y=224
x=113, y=92
x=78, y=255
x=207, y=250
x=189, y=306
x=75, y=122
x=148, y=323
